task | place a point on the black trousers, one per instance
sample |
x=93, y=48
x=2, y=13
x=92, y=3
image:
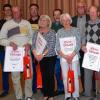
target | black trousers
x=47, y=65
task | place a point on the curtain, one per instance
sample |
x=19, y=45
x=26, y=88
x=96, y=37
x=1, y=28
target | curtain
x=47, y=6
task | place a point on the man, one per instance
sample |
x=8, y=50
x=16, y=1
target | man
x=92, y=35
x=79, y=21
x=34, y=17
x=56, y=23
x=56, y=26
x=16, y=33
x=5, y=77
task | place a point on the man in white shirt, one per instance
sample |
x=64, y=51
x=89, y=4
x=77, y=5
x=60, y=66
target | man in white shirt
x=16, y=33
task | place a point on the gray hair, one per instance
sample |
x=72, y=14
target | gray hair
x=47, y=18
x=67, y=16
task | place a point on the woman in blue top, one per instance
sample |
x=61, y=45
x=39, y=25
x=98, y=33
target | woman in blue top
x=48, y=57
x=68, y=57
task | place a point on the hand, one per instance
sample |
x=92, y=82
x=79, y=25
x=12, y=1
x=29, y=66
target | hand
x=70, y=57
x=84, y=49
x=13, y=45
x=39, y=57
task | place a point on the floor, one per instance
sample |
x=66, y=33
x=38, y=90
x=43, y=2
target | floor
x=38, y=96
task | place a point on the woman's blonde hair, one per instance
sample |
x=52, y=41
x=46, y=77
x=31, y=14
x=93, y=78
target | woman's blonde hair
x=67, y=16
x=47, y=18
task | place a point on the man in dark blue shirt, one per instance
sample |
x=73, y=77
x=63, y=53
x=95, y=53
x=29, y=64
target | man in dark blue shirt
x=34, y=17
x=56, y=25
x=5, y=79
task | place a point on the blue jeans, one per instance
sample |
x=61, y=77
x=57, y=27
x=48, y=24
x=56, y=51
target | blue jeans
x=60, y=86
x=5, y=75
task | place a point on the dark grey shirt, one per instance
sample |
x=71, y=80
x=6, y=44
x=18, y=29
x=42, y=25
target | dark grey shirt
x=81, y=25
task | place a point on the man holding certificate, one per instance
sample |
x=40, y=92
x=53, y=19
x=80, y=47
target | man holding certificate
x=68, y=46
x=43, y=47
x=92, y=51
x=16, y=33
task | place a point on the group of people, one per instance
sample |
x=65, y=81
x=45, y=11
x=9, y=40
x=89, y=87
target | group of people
x=54, y=60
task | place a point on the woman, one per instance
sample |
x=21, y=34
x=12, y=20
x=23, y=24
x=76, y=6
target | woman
x=68, y=57
x=48, y=57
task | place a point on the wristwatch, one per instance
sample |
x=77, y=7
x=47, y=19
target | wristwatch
x=43, y=54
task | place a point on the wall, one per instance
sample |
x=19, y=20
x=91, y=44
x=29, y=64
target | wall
x=47, y=6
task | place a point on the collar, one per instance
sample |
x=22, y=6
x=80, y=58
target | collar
x=95, y=22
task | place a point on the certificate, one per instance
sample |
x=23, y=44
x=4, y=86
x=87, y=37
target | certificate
x=40, y=44
x=92, y=57
x=68, y=45
x=13, y=59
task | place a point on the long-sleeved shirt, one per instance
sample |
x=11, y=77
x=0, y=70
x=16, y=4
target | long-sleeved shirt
x=62, y=33
x=2, y=21
x=93, y=32
x=19, y=33
x=50, y=38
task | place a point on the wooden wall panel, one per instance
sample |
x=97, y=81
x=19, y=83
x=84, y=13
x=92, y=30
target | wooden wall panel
x=97, y=2
x=73, y=7
x=51, y=8
x=66, y=6
x=47, y=6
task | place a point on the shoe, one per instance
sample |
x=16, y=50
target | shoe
x=28, y=98
x=60, y=92
x=77, y=98
x=3, y=94
x=98, y=96
x=85, y=95
x=90, y=98
x=55, y=93
x=68, y=98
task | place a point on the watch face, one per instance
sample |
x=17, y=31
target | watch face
x=43, y=54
